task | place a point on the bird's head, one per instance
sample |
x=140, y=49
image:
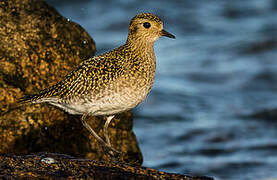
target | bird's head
x=146, y=27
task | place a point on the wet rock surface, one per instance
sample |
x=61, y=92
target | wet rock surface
x=46, y=165
x=38, y=47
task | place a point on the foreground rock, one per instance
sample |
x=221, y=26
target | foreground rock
x=38, y=47
x=62, y=166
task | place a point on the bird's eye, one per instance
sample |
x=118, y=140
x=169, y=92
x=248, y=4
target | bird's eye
x=146, y=25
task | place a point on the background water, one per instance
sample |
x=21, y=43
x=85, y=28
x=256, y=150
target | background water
x=220, y=69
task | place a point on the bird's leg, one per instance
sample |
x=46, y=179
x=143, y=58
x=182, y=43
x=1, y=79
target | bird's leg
x=106, y=132
x=99, y=139
x=92, y=131
x=115, y=154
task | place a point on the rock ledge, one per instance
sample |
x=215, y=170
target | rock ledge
x=50, y=165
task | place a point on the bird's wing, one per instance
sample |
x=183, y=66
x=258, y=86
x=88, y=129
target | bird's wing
x=91, y=75
x=63, y=89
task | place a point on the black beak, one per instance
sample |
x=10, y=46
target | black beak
x=167, y=34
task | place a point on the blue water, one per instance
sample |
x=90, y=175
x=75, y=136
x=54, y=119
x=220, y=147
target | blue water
x=221, y=68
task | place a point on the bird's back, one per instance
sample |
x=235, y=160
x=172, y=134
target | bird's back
x=109, y=83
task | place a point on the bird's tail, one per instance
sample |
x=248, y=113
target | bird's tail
x=23, y=101
x=45, y=95
x=39, y=97
x=26, y=99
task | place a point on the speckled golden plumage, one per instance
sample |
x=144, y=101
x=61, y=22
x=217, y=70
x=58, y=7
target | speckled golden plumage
x=113, y=82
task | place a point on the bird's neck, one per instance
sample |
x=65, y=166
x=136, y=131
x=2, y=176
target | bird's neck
x=144, y=56
x=140, y=46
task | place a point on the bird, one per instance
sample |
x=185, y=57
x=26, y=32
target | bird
x=110, y=83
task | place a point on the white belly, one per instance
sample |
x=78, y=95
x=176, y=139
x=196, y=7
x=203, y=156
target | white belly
x=117, y=103
x=109, y=103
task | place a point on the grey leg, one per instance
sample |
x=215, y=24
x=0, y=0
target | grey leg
x=106, y=132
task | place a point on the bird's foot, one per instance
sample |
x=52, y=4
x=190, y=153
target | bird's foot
x=113, y=153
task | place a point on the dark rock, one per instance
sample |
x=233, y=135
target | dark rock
x=53, y=166
x=38, y=47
